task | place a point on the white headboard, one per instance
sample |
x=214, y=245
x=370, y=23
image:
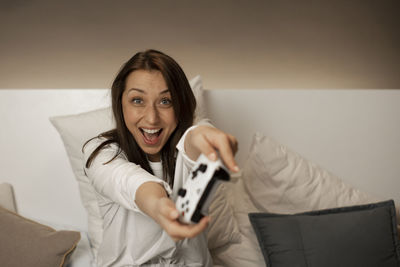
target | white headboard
x=33, y=157
x=352, y=133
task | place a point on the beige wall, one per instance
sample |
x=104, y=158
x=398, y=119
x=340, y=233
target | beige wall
x=232, y=44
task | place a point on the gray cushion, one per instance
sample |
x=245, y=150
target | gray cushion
x=364, y=235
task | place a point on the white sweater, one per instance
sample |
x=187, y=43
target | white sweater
x=130, y=237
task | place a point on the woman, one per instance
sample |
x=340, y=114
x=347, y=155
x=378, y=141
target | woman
x=152, y=150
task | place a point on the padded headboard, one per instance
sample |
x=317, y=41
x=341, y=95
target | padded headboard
x=352, y=133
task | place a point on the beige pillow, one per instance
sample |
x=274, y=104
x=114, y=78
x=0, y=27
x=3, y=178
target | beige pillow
x=197, y=87
x=7, y=199
x=246, y=252
x=27, y=243
x=223, y=228
x=280, y=180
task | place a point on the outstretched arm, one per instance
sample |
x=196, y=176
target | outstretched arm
x=152, y=199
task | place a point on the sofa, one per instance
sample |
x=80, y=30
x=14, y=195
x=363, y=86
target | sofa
x=294, y=158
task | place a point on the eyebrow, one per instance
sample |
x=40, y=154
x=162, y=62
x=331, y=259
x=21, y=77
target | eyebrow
x=144, y=92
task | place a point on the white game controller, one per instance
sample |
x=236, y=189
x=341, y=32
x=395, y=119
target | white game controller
x=195, y=197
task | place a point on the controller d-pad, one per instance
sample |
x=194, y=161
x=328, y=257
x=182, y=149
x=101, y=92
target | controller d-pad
x=202, y=168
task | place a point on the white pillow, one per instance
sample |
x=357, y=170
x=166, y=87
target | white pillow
x=76, y=129
x=280, y=180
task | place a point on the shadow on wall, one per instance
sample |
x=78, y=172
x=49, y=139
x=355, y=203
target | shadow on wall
x=240, y=44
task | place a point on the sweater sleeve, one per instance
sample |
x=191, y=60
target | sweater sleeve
x=185, y=160
x=119, y=179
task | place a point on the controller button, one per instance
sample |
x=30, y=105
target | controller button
x=198, y=191
x=202, y=167
x=187, y=202
x=182, y=192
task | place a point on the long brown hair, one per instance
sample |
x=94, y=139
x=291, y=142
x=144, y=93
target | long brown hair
x=184, y=104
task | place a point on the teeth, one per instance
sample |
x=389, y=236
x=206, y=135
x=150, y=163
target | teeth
x=149, y=131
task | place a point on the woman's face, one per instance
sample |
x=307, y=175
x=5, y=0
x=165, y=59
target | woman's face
x=148, y=111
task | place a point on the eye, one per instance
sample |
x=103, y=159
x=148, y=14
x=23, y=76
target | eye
x=137, y=101
x=166, y=102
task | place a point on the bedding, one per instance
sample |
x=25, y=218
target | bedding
x=363, y=235
x=276, y=179
x=273, y=179
x=296, y=117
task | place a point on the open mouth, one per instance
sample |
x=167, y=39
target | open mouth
x=151, y=136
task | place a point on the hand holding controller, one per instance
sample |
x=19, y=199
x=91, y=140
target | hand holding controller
x=196, y=195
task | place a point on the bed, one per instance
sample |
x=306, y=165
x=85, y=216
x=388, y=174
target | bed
x=299, y=151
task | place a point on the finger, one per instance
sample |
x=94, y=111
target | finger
x=207, y=149
x=195, y=229
x=200, y=226
x=226, y=152
x=182, y=231
x=234, y=143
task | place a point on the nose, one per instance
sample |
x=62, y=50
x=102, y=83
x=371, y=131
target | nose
x=151, y=114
